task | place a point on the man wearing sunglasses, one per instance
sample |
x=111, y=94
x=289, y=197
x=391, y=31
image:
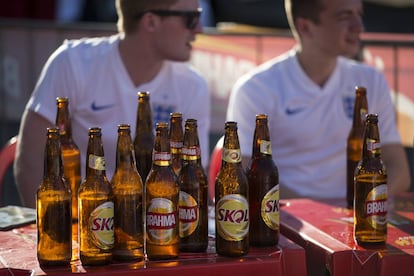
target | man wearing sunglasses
x=101, y=78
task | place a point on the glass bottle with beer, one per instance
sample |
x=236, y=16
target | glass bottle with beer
x=354, y=141
x=193, y=204
x=53, y=207
x=70, y=152
x=176, y=140
x=127, y=188
x=96, y=206
x=161, y=201
x=231, y=195
x=371, y=189
x=144, y=136
x=263, y=178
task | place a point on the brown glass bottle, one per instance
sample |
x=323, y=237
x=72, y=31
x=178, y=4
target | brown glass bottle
x=161, y=201
x=354, y=141
x=193, y=204
x=70, y=152
x=231, y=195
x=53, y=206
x=263, y=177
x=96, y=206
x=370, y=203
x=127, y=188
x=176, y=140
x=144, y=136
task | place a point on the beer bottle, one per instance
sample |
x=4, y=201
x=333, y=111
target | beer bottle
x=127, y=188
x=193, y=204
x=231, y=194
x=53, y=204
x=263, y=178
x=354, y=141
x=176, y=140
x=70, y=152
x=96, y=206
x=370, y=203
x=144, y=136
x=161, y=201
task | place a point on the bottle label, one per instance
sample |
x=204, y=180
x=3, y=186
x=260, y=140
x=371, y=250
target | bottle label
x=232, y=217
x=231, y=155
x=176, y=146
x=162, y=159
x=376, y=206
x=190, y=153
x=373, y=146
x=265, y=147
x=363, y=113
x=101, y=225
x=96, y=162
x=161, y=220
x=189, y=214
x=270, y=208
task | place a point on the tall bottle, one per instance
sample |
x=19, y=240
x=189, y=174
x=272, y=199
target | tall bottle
x=263, y=178
x=144, y=136
x=176, y=140
x=193, y=204
x=371, y=190
x=96, y=206
x=161, y=201
x=53, y=206
x=127, y=188
x=70, y=152
x=354, y=141
x=232, y=194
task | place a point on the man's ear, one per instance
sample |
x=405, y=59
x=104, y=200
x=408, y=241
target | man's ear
x=150, y=21
x=302, y=26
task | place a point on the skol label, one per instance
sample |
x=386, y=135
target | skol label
x=96, y=162
x=266, y=147
x=161, y=220
x=270, y=208
x=232, y=217
x=188, y=213
x=101, y=225
x=376, y=206
x=231, y=155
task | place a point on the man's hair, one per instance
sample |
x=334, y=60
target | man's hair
x=308, y=9
x=129, y=11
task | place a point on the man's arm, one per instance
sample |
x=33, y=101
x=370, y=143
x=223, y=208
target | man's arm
x=396, y=163
x=28, y=166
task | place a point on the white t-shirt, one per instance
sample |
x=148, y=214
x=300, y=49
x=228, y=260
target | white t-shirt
x=101, y=94
x=309, y=125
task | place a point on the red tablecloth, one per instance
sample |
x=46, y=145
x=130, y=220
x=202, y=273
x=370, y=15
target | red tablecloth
x=18, y=250
x=325, y=229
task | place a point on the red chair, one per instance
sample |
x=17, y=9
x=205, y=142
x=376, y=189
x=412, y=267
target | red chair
x=7, y=155
x=215, y=165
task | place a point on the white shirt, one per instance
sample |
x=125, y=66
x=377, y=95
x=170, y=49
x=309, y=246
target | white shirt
x=101, y=94
x=309, y=125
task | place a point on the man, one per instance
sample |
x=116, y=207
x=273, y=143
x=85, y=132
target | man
x=101, y=78
x=307, y=94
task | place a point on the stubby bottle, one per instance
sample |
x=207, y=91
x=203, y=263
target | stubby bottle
x=354, y=141
x=176, y=140
x=370, y=203
x=53, y=205
x=231, y=194
x=127, y=188
x=263, y=177
x=161, y=201
x=144, y=136
x=96, y=206
x=193, y=204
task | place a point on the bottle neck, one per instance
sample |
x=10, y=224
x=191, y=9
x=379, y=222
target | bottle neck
x=53, y=165
x=125, y=154
x=372, y=144
x=95, y=163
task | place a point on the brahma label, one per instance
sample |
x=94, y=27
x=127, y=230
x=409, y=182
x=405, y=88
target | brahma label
x=376, y=206
x=188, y=213
x=232, y=217
x=270, y=208
x=161, y=220
x=101, y=225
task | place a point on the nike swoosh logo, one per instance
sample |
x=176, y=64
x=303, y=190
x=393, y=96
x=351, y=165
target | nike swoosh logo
x=293, y=111
x=95, y=107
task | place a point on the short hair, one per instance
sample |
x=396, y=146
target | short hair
x=129, y=10
x=309, y=9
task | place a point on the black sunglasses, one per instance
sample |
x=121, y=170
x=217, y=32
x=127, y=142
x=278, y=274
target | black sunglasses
x=191, y=17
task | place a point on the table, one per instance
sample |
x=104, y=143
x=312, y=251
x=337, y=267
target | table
x=18, y=250
x=325, y=229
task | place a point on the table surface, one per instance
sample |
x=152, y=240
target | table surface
x=325, y=229
x=18, y=251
